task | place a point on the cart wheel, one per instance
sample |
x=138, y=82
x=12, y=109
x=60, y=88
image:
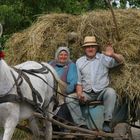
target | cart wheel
x=123, y=130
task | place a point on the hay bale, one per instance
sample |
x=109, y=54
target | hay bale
x=40, y=41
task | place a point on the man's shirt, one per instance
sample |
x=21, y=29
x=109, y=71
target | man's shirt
x=93, y=73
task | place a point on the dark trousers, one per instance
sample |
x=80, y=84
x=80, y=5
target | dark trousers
x=63, y=114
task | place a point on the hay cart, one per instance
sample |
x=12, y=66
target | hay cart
x=94, y=119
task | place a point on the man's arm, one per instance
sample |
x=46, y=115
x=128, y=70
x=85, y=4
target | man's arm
x=118, y=57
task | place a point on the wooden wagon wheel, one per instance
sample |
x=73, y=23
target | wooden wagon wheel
x=124, y=130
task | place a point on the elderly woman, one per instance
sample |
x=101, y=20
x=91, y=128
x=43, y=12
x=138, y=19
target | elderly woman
x=67, y=72
x=65, y=68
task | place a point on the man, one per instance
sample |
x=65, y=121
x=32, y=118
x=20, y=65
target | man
x=93, y=81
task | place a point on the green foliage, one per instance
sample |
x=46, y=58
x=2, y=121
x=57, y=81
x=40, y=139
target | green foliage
x=97, y=4
x=135, y=2
x=123, y=3
x=9, y=18
x=16, y=15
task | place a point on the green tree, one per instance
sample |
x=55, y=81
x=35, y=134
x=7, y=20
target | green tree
x=97, y=4
x=135, y=2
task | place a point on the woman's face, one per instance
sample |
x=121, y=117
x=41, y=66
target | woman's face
x=63, y=57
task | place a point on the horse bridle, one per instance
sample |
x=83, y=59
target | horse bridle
x=7, y=97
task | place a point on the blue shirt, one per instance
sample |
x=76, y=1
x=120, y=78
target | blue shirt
x=93, y=73
x=71, y=77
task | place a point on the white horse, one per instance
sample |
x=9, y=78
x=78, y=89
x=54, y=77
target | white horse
x=13, y=112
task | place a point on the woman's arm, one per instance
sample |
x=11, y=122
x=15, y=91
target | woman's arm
x=71, y=78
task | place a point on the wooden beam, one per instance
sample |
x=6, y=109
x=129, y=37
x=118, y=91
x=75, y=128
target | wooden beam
x=114, y=20
x=62, y=134
x=76, y=128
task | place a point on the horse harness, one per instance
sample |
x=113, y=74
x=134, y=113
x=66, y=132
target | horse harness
x=22, y=74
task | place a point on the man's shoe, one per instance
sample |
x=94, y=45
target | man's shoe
x=84, y=126
x=106, y=127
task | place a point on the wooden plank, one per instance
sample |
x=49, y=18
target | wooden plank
x=64, y=137
x=75, y=128
x=72, y=134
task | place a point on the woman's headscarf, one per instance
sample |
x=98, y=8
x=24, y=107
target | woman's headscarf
x=62, y=49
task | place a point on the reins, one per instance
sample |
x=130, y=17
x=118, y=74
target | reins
x=55, y=88
x=22, y=74
x=7, y=97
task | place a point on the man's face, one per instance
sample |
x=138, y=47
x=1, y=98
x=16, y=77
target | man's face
x=91, y=51
x=63, y=57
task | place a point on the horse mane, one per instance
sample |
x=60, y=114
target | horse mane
x=60, y=82
x=6, y=79
x=61, y=85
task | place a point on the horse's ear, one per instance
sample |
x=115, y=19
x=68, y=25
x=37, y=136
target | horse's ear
x=1, y=30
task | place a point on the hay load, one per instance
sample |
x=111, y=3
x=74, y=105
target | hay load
x=40, y=41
